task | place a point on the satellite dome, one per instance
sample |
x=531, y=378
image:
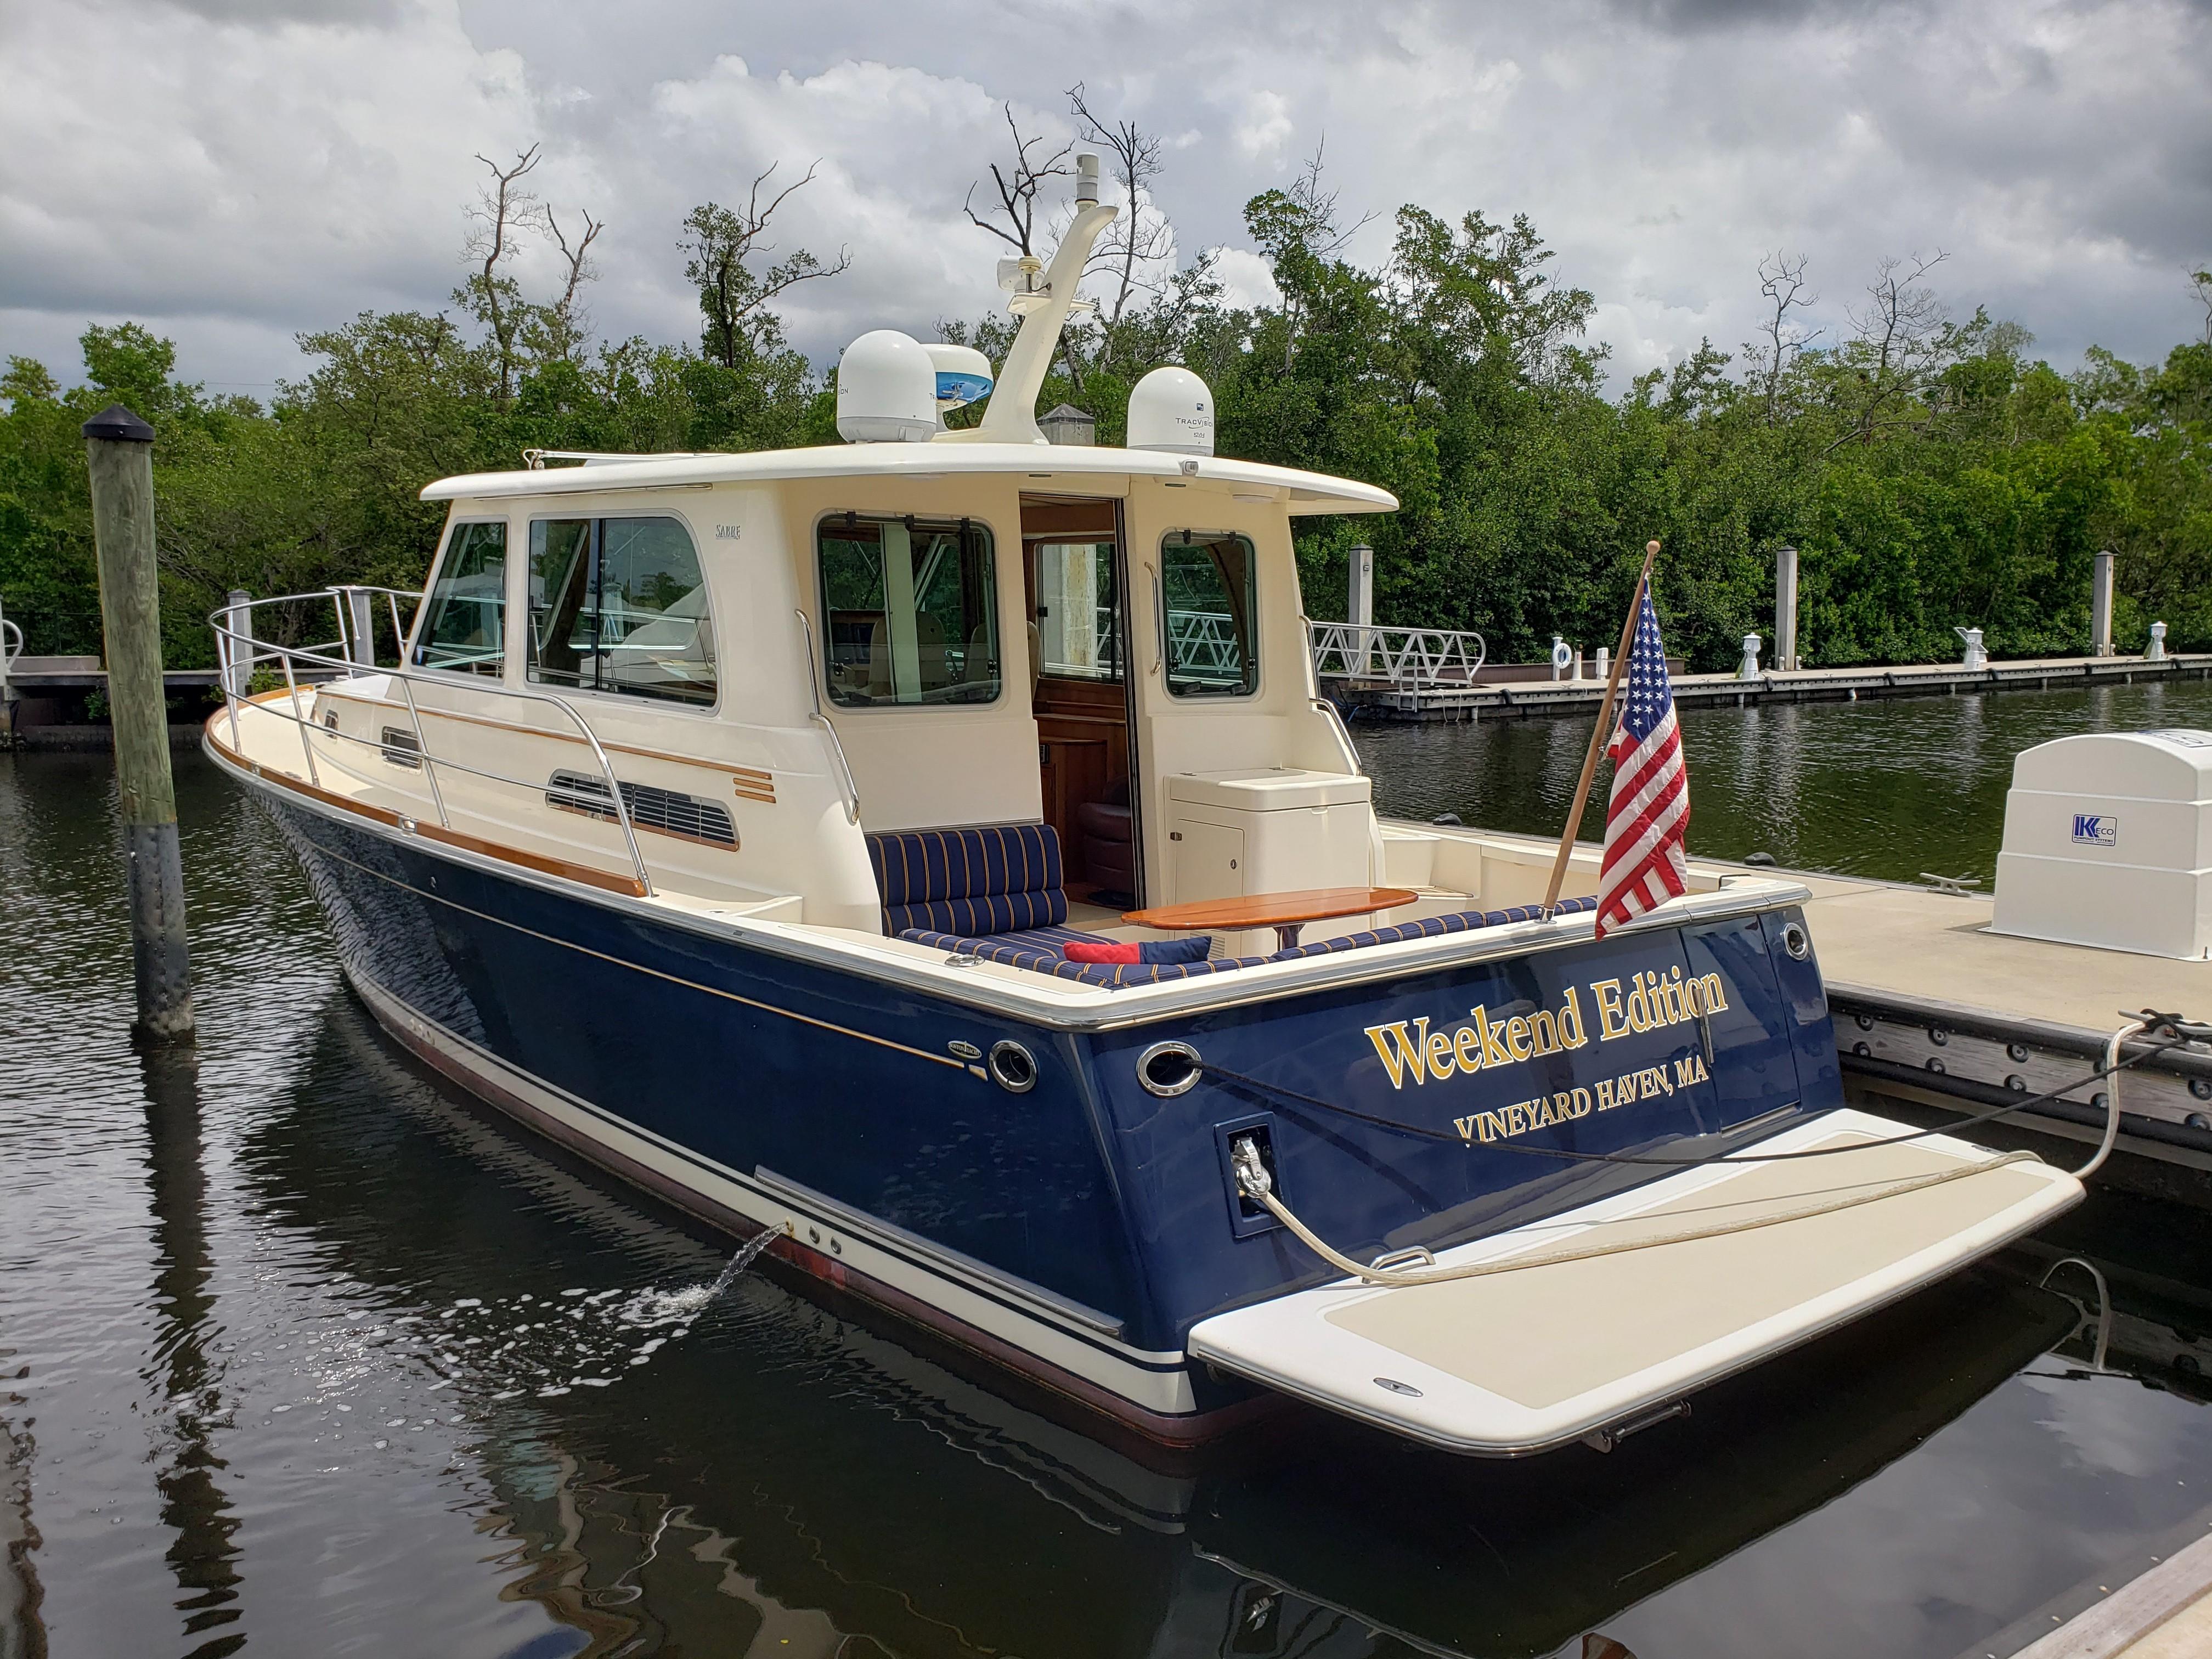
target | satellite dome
x=1172, y=410
x=886, y=390
x=963, y=374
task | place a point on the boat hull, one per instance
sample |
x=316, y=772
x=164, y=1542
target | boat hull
x=1075, y=1230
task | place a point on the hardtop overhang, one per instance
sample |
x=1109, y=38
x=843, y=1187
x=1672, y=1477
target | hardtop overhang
x=1067, y=469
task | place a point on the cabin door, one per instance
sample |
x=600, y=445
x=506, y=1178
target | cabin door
x=1075, y=577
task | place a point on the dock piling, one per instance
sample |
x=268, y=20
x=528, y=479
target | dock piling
x=1359, y=604
x=2100, y=607
x=1785, y=608
x=119, y=453
x=237, y=656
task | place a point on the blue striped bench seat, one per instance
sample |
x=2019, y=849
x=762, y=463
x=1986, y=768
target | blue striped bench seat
x=1038, y=948
x=980, y=880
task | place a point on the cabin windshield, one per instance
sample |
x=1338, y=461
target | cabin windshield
x=911, y=611
x=466, y=628
x=619, y=605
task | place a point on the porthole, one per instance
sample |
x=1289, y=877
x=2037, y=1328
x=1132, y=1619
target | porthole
x=1168, y=1069
x=1013, y=1068
x=1795, y=941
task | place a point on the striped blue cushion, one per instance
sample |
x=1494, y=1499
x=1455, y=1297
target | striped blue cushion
x=1038, y=948
x=992, y=879
x=1458, y=922
x=1039, y=951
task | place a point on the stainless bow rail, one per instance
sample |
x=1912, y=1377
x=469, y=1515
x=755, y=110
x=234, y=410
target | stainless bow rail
x=352, y=655
x=1410, y=659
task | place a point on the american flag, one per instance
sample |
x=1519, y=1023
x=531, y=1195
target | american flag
x=1649, y=807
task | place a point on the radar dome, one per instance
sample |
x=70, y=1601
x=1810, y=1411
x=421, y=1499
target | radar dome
x=1172, y=409
x=886, y=390
x=963, y=374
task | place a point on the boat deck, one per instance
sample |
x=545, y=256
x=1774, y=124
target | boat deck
x=1915, y=942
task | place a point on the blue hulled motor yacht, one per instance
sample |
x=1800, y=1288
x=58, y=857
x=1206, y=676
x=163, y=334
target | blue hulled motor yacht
x=932, y=848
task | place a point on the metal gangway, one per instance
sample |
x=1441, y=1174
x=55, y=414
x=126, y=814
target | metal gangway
x=1409, y=659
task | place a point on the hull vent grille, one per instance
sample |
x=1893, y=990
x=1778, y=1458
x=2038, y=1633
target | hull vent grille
x=665, y=811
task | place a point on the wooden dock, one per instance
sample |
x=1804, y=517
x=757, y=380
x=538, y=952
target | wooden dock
x=1464, y=699
x=44, y=705
x=2165, y=1613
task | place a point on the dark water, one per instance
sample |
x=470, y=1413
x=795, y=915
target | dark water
x=299, y=1354
x=1884, y=788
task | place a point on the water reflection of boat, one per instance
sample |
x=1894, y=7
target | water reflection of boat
x=728, y=818
x=952, y=1520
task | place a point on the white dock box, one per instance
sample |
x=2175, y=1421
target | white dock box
x=1266, y=829
x=2108, y=841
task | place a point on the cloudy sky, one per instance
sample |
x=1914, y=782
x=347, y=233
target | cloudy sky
x=231, y=172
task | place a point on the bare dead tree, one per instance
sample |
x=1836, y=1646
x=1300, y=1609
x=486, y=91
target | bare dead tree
x=733, y=296
x=1141, y=237
x=1018, y=186
x=2200, y=285
x=1299, y=233
x=1897, y=337
x=503, y=210
x=1782, y=280
x=578, y=258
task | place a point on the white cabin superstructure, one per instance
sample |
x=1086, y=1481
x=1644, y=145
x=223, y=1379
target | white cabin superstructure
x=925, y=764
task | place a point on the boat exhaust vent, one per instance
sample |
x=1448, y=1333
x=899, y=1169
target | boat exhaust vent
x=1168, y=1069
x=1013, y=1068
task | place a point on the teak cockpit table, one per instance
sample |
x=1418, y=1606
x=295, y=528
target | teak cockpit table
x=1283, y=912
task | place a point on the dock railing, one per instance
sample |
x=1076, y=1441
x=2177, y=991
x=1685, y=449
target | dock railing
x=1410, y=659
x=351, y=653
x=11, y=646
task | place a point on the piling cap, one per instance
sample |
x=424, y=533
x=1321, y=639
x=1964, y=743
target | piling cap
x=119, y=424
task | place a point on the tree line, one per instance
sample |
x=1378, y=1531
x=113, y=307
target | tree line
x=1932, y=472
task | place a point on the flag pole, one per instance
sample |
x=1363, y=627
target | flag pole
x=1597, y=733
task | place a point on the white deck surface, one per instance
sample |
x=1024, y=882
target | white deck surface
x=1917, y=942
x=1518, y=1361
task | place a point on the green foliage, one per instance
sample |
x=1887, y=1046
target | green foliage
x=1932, y=473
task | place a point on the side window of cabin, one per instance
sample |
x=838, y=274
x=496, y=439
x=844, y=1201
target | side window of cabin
x=910, y=610
x=1208, y=593
x=1078, y=620
x=619, y=605
x=464, y=624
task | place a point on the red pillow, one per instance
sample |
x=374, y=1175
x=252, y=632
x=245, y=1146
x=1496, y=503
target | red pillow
x=1077, y=951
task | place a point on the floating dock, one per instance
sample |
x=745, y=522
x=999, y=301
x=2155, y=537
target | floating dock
x=2165, y=1613
x=1460, y=698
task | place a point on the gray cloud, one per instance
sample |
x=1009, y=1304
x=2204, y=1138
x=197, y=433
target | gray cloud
x=240, y=184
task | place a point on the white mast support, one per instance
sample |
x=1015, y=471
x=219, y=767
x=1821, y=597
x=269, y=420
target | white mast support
x=1011, y=415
